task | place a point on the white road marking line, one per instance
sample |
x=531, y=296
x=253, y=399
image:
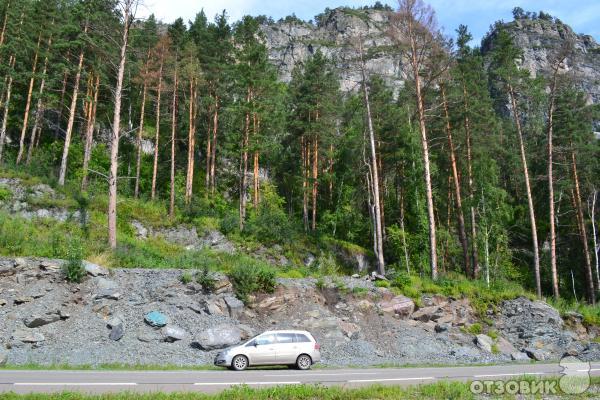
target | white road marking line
x=244, y=383
x=588, y=370
x=519, y=374
x=74, y=384
x=390, y=379
x=315, y=374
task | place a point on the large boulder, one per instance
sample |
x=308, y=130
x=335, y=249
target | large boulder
x=533, y=325
x=484, y=342
x=93, y=269
x=219, y=337
x=399, y=305
x=117, y=332
x=173, y=333
x=234, y=305
x=36, y=321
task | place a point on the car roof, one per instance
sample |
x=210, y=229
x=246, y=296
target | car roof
x=286, y=331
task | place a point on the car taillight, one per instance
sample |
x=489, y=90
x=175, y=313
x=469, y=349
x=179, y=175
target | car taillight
x=317, y=346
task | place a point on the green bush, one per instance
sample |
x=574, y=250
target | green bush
x=5, y=193
x=384, y=284
x=474, y=329
x=205, y=278
x=186, y=277
x=73, y=268
x=252, y=278
x=270, y=223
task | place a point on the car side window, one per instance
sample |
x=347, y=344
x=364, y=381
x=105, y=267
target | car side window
x=252, y=343
x=300, y=338
x=265, y=339
x=286, y=338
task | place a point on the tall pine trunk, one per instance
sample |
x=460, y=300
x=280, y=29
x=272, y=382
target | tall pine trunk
x=138, y=140
x=378, y=245
x=256, y=185
x=173, y=137
x=552, y=216
x=189, y=182
x=460, y=218
x=213, y=155
x=244, y=163
x=534, y=238
x=89, y=133
x=425, y=148
x=63, y=164
x=474, y=251
x=11, y=65
x=157, y=137
x=39, y=108
x=114, y=143
x=28, y=102
x=315, y=176
x=589, y=280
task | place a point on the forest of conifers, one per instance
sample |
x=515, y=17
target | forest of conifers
x=471, y=167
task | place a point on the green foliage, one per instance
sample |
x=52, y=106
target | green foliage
x=474, y=329
x=206, y=278
x=5, y=193
x=383, y=284
x=73, y=268
x=186, y=277
x=252, y=278
x=270, y=224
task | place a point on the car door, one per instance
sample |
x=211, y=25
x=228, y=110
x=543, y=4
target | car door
x=262, y=350
x=287, y=348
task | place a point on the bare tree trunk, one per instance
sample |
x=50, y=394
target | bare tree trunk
x=157, y=137
x=244, y=165
x=63, y=165
x=39, y=109
x=589, y=280
x=425, y=148
x=305, y=166
x=189, y=182
x=315, y=177
x=404, y=244
x=256, y=194
x=89, y=134
x=173, y=133
x=6, y=107
x=462, y=234
x=213, y=157
x=534, y=238
x=474, y=255
x=4, y=23
x=138, y=140
x=114, y=145
x=375, y=178
x=28, y=102
x=595, y=234
x=208, y=151
x=61, y=103
x=553, y=267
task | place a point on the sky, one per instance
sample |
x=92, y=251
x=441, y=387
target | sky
x=582, y=15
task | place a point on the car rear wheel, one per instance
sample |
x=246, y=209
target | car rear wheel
x=239, y=363
x=303, y=362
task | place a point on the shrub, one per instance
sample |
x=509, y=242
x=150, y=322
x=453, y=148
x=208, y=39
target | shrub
x=252, y=278
x=320, y=284
x=5, y=193
x=384, y=284
x=186, y=277
x=205, y=278
x=73, y=268
x=358, y=291
x=475, y=329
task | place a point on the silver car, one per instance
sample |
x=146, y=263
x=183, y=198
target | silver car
x=292, y=348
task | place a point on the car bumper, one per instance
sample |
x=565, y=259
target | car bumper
x=221, y=360
x=316, y=357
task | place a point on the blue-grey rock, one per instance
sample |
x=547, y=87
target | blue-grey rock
x=156, y=319
x=117, y=332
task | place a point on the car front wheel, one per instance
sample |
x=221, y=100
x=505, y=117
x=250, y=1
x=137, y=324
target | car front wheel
x=303, y=362
x=239, y=363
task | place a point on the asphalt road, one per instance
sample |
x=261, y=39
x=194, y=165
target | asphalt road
x=215, y=381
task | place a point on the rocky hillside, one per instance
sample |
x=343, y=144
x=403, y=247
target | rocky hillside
x=541, y=38
x=292, y=41
x=135, y=316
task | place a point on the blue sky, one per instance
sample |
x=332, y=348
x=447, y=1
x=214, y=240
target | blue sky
x=582, y=15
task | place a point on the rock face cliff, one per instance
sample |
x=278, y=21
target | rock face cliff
x=292, y=41
x=540, y=39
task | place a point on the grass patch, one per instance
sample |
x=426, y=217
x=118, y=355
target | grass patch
x=590, y=313
x=439, y=390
